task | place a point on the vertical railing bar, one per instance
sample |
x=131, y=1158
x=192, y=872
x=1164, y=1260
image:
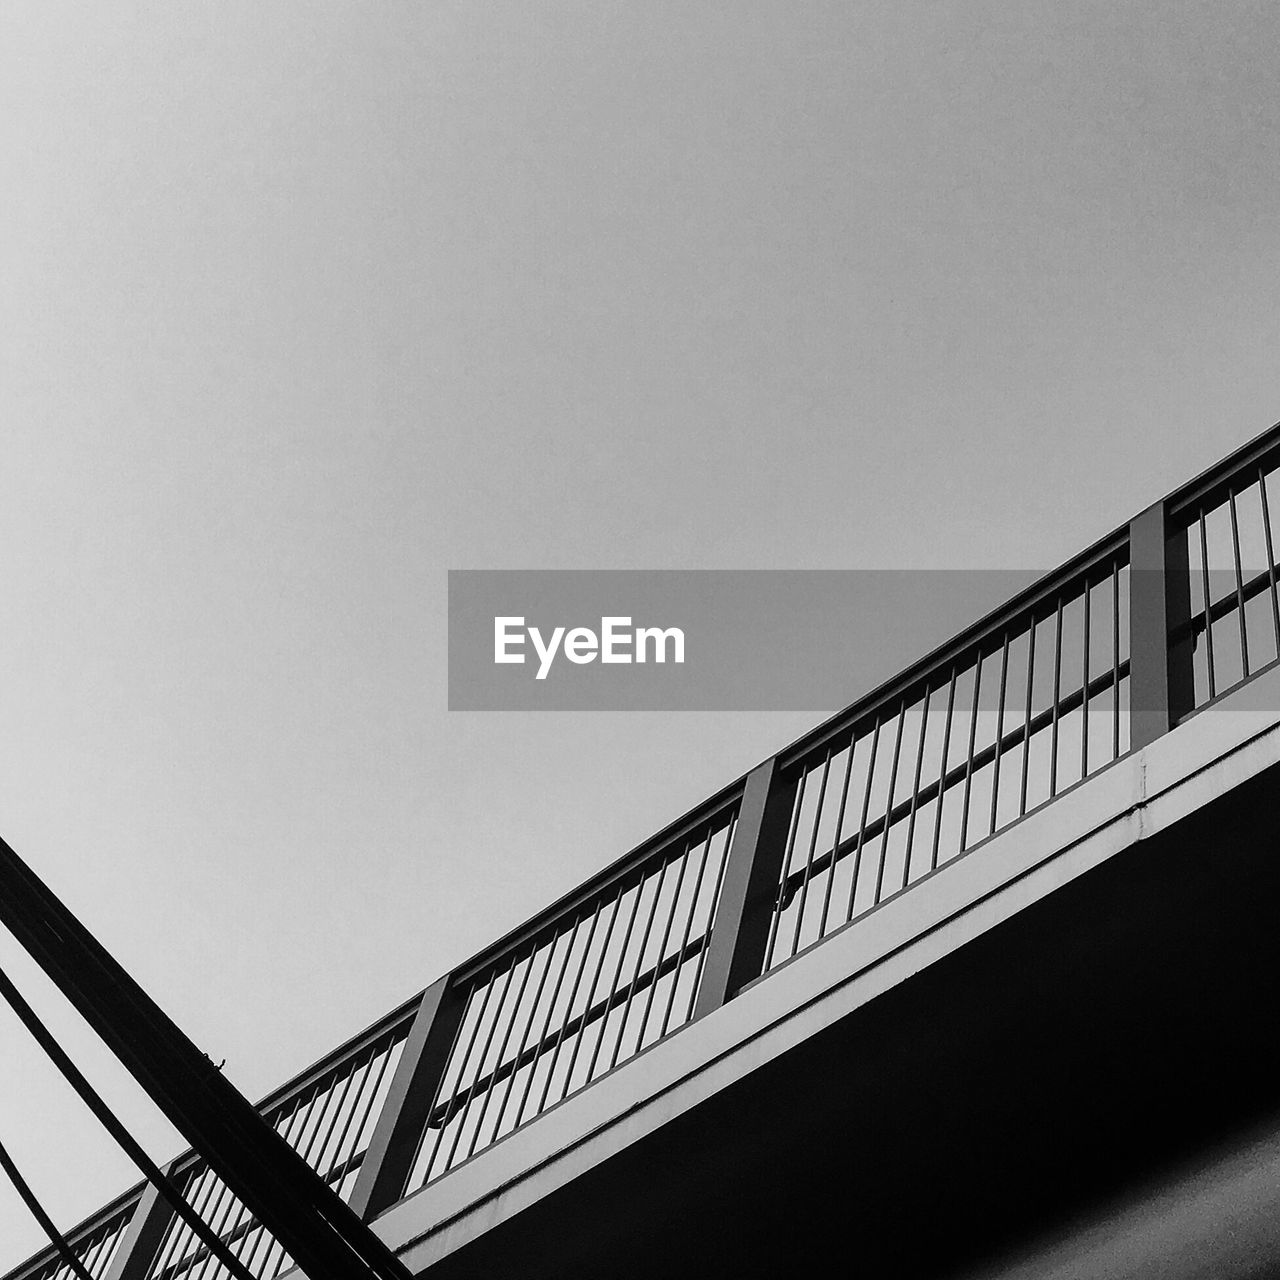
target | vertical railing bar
x=639, y=966
x=166, y=1254
x=581, y=1035
x=273, y=1259
x=662, y=945
x=688, y=929
x=502, y=1053
x=84, y=1251
x=310, y=1112
x=173, y=1233
x=465, y=1109
x=326, y=1159
x=217, y=1219
x=888, y=805
x=100, y=1249
x=1026, y=729
x=244, y=1214
x=92, y=1253
x=172, y=1247
x=256, y=1237
x=264, y=1237
x=478, y=1071
x=463, y=1063
x=995, y=764
x=1208, y=604
x=231, y=1218
x=87, y=1252
x=322, y=1119
x=613, y=986
x=862, y=825
x=235, y=1211
x=915, y=787
x=1271, y=559
x=635, y=976
x=170, y=1233
x=363, y=1069
x=360, y=1142
x=568, y=1009
x=254, y=1234
x=1084, y=688
x=524, y=1036
x=572, y=935
x=108, y=1244
x=185, y=1239
x=813, y=848
x=103, y=1250
x=250, y=1258
x=1115, y=659
x=1057, y=702
x=831, y=878
x=251, y=1261
x=942, y=771
x=226, y=1224
x=973, y=739
x=1235, y=551
x=779, y=906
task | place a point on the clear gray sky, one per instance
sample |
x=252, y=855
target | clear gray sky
x=304, y=304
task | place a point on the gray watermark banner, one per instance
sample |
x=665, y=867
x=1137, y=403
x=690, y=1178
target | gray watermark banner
x=700, y=640
x=817, y=640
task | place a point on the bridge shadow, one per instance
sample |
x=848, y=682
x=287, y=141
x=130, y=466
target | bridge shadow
x=1045, y=1075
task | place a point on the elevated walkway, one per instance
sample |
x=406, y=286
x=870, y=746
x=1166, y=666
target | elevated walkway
x=971, y=980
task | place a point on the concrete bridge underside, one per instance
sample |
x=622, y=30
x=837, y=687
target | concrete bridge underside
x=1061, y=1058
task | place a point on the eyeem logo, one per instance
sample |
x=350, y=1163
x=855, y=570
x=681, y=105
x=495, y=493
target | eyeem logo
x=616, y=641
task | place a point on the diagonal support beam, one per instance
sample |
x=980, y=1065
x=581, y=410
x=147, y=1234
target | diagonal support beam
x=325, y=1238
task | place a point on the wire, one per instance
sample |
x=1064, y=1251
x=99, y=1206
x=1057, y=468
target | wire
x=38, y=1213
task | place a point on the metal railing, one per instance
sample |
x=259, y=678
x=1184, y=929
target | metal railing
x=1098, y=658
x=956, y=750
x=561, y=1003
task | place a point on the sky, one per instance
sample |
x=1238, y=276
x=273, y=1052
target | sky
x=304, y=305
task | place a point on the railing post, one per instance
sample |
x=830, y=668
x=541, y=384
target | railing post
x=735, y=951
x=390, y=1155
x=142, y=1236
x=1161, y=688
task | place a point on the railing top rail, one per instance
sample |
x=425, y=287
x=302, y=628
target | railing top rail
x=1212, y=484
x=583, y=897
x=978, y=638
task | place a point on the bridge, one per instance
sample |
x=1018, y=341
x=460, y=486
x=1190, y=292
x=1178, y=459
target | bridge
x=971, y=980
